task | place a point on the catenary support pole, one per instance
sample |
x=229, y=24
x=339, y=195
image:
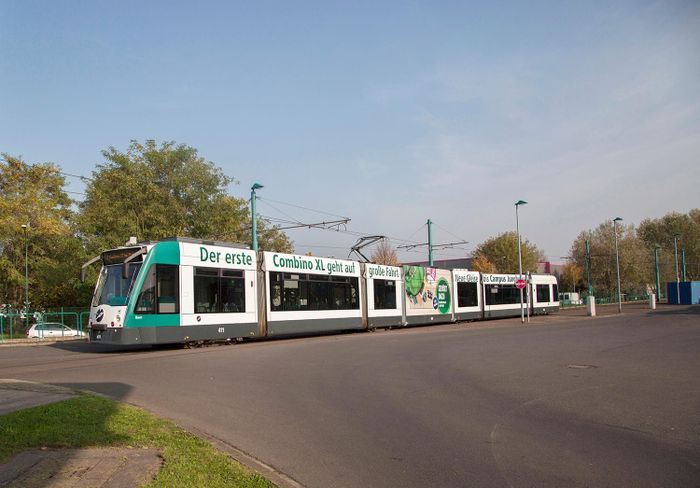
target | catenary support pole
x=430, y=243
x=520, y=258
x=253, y=216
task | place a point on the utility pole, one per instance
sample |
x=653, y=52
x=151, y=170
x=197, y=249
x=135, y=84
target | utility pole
x=588, y=269
x=520, y=259
x=683, y=265
x=253, y=216
x=430, y=243
x=656, y=262
x=678, y=278
x=26, y=275
x=617, y=263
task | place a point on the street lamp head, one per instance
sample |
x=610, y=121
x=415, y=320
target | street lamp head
x=256, y=186
x=520, y=202
x=617, y=219
x=24, y=226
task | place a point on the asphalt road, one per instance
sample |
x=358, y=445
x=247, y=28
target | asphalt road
x=565, y=401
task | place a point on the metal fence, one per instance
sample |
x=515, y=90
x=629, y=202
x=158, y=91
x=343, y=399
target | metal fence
x=64, y=322
x=604, y=300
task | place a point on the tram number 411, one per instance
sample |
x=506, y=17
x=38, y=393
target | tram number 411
x=221, y=330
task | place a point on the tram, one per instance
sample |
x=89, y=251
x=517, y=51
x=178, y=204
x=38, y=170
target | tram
x=183, y=290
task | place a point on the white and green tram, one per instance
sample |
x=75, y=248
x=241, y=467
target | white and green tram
x=190, y=291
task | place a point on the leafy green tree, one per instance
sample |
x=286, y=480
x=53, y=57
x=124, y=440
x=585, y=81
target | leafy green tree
x=634, y=275
x=659, y=233
x=34, y=194
x=571, y=277
x=502, y=252
x=155, y=191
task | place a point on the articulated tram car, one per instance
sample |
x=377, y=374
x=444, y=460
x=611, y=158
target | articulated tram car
x=183, y=290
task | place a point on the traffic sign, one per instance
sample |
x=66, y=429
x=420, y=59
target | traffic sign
x=520, y=284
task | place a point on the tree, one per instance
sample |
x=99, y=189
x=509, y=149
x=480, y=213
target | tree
x=482, y=264
x=571, y=277
x=502, y=252
x=660, y=233
x=34, y=194
x=155, y=191
x=634, y=275
x=385, y=254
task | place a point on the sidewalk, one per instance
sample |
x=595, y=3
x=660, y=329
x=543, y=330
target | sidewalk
x=94, y=467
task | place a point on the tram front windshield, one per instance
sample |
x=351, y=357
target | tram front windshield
x=112, y=288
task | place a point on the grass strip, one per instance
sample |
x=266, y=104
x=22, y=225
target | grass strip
x=92, y=421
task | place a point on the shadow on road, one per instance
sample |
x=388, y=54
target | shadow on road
x=91, y=347
x=115, y=390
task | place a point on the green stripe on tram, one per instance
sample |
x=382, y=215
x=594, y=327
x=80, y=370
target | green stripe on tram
x=167, y=252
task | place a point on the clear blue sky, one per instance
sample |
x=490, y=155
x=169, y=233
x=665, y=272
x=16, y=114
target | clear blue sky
x=388, y=113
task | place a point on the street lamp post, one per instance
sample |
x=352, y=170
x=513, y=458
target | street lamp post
x=617, y=263
x=678, y=278
x=520, y=258
x=25, y=227
x=656, y=262
x=588, y=269
x=253, y=216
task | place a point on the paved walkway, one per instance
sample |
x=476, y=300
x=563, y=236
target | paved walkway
x=69, y=468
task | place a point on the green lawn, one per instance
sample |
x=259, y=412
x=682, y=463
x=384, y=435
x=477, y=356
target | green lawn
x=92, y=421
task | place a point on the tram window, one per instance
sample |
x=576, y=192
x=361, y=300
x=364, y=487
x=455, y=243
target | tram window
x=160, y=287
x=384, y=294
x=502, y=294
x=232, y=291
x=168, y=289
x=555, y=293
x=146, y=302
x=219, y=290
x=467, y=295
x=542, y=293
x=312, y=292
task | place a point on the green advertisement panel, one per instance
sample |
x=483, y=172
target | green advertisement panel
x=428, y=289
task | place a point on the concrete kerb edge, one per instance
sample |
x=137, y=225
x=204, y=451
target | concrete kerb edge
x=270, y=472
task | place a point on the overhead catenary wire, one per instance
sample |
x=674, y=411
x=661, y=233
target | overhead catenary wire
x=451, y=233
x=302, y=208
x=291, y=222
x=63, y=173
